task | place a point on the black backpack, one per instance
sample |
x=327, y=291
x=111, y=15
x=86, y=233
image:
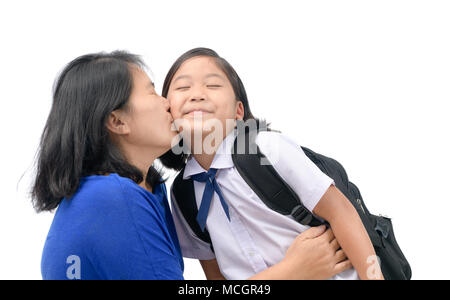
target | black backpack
x=277, y=195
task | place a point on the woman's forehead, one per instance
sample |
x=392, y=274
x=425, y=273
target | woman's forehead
x=141, y=77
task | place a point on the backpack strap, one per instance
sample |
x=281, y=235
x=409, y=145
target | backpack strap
x=183, y=190
x=265, y=181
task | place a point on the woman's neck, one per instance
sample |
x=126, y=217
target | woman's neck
x=143, y=160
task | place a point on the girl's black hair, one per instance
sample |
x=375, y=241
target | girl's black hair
x=75, y=141
x=178, y=161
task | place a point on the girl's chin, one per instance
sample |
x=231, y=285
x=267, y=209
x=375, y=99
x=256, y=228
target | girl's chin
x=173, y=135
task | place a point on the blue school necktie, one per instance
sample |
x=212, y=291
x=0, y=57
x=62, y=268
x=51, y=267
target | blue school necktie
x=211, y=185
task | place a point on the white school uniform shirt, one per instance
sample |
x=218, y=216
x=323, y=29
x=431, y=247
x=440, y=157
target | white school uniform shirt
x=255, y=237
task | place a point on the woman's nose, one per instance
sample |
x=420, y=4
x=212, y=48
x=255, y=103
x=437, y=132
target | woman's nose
x=166, y=103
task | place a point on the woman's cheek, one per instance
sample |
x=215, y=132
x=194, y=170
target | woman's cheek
x=173, y=106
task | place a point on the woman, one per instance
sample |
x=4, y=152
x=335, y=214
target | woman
x=106, y=127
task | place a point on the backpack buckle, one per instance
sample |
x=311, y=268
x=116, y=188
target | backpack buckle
x=302, y=215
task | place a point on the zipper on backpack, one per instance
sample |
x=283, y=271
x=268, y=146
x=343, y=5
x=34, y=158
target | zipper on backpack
x=360, y=205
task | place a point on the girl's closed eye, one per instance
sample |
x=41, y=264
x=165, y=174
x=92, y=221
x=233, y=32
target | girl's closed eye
x=181, y=88
x=214, y=86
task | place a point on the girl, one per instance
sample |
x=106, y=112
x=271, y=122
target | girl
x=204, y=92
x=106, y=127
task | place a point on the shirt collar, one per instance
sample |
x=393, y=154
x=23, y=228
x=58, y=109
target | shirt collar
x=222, y=159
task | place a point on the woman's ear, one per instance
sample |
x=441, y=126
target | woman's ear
x=116, y=123
x=240, y=110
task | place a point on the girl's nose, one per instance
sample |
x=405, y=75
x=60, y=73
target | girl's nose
x=197, y=95
x=197, y=98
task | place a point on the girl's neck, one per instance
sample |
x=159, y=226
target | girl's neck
x=205, y=160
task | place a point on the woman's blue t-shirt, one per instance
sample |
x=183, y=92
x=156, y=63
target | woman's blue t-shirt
x=113, y=229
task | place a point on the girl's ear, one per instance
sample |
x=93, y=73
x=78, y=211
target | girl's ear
x=240, y=110
x=116, y=124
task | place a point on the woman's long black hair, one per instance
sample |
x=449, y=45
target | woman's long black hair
x=178, y=161
x=75, y=141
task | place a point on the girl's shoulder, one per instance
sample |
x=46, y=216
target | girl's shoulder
x=270, y=141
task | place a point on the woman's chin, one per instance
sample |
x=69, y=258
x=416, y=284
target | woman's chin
x=175, y=138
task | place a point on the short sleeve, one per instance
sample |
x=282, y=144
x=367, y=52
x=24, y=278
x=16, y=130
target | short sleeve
x=132, y=241
x=191, y=246
x=152, y=230
x=296, y=169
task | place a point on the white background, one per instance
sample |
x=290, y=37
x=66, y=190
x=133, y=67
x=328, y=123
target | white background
x=366, y=82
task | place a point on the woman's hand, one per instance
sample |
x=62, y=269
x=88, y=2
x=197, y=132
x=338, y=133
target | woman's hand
x=314, y=254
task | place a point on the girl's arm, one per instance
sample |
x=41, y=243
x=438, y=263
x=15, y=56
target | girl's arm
x=350, y=232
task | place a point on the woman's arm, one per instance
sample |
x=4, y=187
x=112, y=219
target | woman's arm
x=349, y=231
x=314, y=254
x=211, y=269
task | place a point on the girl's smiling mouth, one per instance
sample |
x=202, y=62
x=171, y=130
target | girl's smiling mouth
x=196, y=112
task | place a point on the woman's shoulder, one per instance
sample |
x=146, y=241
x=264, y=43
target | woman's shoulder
x=110, y=190
x=112, y=198
x=114, y=193
x=109, y=184
x=101, y=186
x=139, y=200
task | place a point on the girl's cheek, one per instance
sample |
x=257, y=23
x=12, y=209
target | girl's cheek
x=175, y=109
